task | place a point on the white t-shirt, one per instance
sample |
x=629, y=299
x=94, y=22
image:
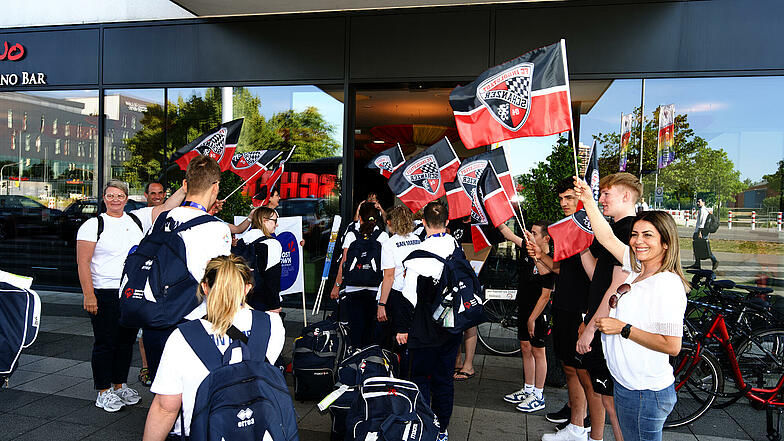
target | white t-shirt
x=145, y=216
x=119, y=235
x=442, y=246
x=348, y=240
x=202, y=242
x=181, y=371
x=655, y=305
x=393, y=251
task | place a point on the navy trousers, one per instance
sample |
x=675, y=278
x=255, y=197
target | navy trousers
x=432, y=369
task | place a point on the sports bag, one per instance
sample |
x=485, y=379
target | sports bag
x=711, y=223
x=317, y=352
x=157, y=290
x=368, y=362
x=363, y=261
x=390, y=409
x=460, y=297
x=247, y=400
x=20, y=318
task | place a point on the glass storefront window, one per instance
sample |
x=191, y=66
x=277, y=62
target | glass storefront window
x=41, y=188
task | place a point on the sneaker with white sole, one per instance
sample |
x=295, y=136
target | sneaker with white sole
x=517, y=396
x=109, y=401
x=128, y=396
x=561, y=416
x=570, y=433
x=531, y=404
x=443, y=436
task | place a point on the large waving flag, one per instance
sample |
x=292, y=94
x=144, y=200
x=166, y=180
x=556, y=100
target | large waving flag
x=387, y=161
x=494, y=198
x=263, y=196
x=247, y=164
x=572, y=234
x=421, y=178
x=460, y=193
x=526, y=96
x=219, y=144
x=592, y=172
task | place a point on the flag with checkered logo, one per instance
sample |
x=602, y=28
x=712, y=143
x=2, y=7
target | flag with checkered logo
x=421, y=178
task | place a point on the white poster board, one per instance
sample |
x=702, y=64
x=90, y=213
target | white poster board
x=289, y=234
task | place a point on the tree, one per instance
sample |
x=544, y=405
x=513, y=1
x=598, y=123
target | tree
x=697, y=168
x=538, y=186
x=774, y=181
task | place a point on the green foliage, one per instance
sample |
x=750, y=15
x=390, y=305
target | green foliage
x=775, y=182
x=697, y=168
x=538, y=186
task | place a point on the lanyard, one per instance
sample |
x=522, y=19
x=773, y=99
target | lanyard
x=194, y=205
x=436, y=235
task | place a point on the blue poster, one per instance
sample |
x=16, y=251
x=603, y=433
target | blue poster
x=289, y=260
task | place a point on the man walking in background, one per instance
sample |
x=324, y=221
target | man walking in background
x=700, y=244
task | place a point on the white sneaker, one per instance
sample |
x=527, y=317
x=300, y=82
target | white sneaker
x=531, y=404
x=570, y=433
x=128, y=396
x=517, y=396
x=109, y=401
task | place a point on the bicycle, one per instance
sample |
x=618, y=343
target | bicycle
x=698, y=375
x=499, y=334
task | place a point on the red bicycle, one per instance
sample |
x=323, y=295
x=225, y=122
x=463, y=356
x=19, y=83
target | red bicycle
x=756, y=367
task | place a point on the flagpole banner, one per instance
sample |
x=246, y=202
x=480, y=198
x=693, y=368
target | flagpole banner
x=461, y=192
x=526, y=96
x=666, y=140
x=571, y=234
x=592, y=172
x=494, y=199
x=218, y=143
x=387, y=161
x=289, y=234
x=421, y=178
x=263, y=196
x=250, y=166
x=626, y=134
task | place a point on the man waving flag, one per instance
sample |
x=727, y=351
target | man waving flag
x=387, y=161
x=460, y=193
x=526, y=96
x=421, y=178
x=219, y=144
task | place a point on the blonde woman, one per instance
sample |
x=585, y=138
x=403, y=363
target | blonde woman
x=400, y=223
x=262, y=251
x=641, y=319
x=226, y=282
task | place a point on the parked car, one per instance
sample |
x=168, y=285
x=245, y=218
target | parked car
x=21, y=217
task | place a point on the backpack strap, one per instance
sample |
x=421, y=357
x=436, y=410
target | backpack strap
x=260, y=333
x=194, y=222
x=202, y=344
x=422, y=254
x=100, y=228
x=137, y=221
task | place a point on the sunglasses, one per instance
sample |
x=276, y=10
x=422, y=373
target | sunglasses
x=623, y=289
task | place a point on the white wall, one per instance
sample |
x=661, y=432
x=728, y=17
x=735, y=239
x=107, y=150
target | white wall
x=60, y=12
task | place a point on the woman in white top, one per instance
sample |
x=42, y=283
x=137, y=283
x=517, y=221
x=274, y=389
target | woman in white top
x=400, y=222
x=263, y=252
x=226, y=282
x=100, y=256
x=641, y=319
x=359, y=304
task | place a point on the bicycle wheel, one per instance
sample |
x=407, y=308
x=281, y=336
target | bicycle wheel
x=761, y=358
x=701, y=381
x=499, y=334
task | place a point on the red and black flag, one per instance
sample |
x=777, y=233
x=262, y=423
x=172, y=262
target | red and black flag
x=388, y=161
x=247, y=164
x=460, y=193
x=592, y=172
x=263, y=196
x=421, y=179
x=526, y=96
x=219, y=144
x=571, y=234
x=494, y=198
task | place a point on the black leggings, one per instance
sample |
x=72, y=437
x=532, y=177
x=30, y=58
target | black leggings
x=113, y=347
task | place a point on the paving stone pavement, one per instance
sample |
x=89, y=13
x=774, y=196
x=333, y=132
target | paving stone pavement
x=51, y=395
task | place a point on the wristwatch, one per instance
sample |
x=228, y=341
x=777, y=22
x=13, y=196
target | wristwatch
x=626, y=331
x=382, y=304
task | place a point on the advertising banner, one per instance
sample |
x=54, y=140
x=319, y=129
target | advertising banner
x=626, y=134
x=664, y=154
x=289, y=234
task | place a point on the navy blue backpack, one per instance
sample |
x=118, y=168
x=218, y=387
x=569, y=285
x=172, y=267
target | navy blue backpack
x=157, y=290
x=460, y=296
x=20, y=318
x=363, y=261
x=241, y=401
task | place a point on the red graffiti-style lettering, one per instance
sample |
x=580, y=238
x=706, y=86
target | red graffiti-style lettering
x=12, y=53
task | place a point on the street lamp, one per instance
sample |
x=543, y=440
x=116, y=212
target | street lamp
x=7, y=190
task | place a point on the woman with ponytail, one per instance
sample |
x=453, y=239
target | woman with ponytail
x=226, y=282
x=361, y=274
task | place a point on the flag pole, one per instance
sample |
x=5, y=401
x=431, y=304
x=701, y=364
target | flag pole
x=574, y=153
x=642, y=122
x=253, y=175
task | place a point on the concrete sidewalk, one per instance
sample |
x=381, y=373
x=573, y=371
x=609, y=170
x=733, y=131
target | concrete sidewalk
x=51, y=395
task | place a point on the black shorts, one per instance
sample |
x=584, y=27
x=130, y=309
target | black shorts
x=565, y=326
x=596, y=365
x=541, y=325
